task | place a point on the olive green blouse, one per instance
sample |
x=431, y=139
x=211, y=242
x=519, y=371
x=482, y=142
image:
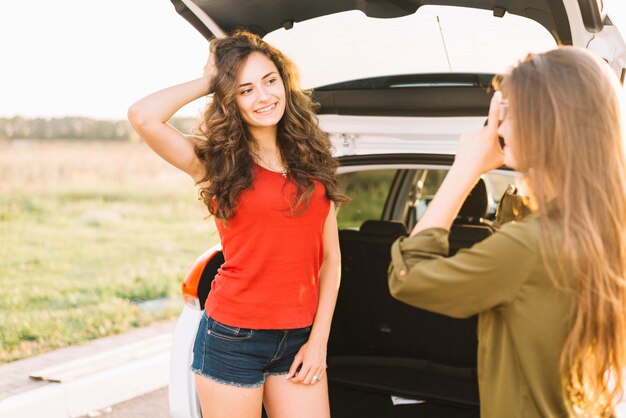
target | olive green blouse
x=522, y=322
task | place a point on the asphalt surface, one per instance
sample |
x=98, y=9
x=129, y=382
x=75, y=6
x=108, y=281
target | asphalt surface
x=151, y=405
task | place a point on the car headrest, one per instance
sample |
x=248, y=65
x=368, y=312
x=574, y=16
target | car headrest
x=476, y=204
x=383, y=228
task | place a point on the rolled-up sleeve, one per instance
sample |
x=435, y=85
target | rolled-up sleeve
x=475, y=279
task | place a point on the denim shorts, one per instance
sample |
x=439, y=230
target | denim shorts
x=244, y=357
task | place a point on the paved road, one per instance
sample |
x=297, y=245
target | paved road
x=150, y=405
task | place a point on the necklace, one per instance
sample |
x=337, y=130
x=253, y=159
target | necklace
x=270, y=167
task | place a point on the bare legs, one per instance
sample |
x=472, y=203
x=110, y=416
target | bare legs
x=226, y=401
x=282, y=398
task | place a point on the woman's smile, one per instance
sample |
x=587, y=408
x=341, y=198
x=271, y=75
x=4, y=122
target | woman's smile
x=267, y=109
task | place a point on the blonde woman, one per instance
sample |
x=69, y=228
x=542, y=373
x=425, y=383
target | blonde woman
x=550, y=289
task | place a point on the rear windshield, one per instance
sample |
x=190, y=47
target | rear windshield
x=435, y=39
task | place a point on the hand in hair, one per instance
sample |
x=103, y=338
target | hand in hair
x=479, y=150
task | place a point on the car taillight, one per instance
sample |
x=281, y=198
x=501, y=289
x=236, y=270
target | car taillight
x=193, y=276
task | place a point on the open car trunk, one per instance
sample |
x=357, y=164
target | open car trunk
x=263, y=17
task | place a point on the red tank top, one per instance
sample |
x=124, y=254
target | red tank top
x=269, y=279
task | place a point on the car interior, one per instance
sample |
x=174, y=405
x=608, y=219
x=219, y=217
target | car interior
x=380, y=347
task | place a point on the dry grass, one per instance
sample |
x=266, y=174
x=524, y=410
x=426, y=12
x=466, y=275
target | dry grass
x=51, y=166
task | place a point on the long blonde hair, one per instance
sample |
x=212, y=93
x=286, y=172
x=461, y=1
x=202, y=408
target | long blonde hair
x=570, y=147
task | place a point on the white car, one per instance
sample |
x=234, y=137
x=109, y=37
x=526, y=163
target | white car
x=397, y=84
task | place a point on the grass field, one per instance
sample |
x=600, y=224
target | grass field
x=89, y=230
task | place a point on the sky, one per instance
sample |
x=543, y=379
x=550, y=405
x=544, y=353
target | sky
x=95, y=58
x=92, y=58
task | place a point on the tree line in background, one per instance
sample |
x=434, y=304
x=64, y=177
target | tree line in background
x=78, y=128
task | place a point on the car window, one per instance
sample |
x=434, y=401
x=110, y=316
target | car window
x=435, y=39
x=368, y=190
x=428, y=182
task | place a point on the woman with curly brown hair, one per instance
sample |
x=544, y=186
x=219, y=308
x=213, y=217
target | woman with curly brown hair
x=265, y=172
x=550, y=285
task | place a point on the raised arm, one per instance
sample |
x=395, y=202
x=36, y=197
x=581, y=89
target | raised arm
x=149, y=117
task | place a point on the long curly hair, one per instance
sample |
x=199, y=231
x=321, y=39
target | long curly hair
x=570, y=147
x=226, y=150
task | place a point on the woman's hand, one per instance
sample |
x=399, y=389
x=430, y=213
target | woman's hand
x=312, y=357
x=479, y=150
